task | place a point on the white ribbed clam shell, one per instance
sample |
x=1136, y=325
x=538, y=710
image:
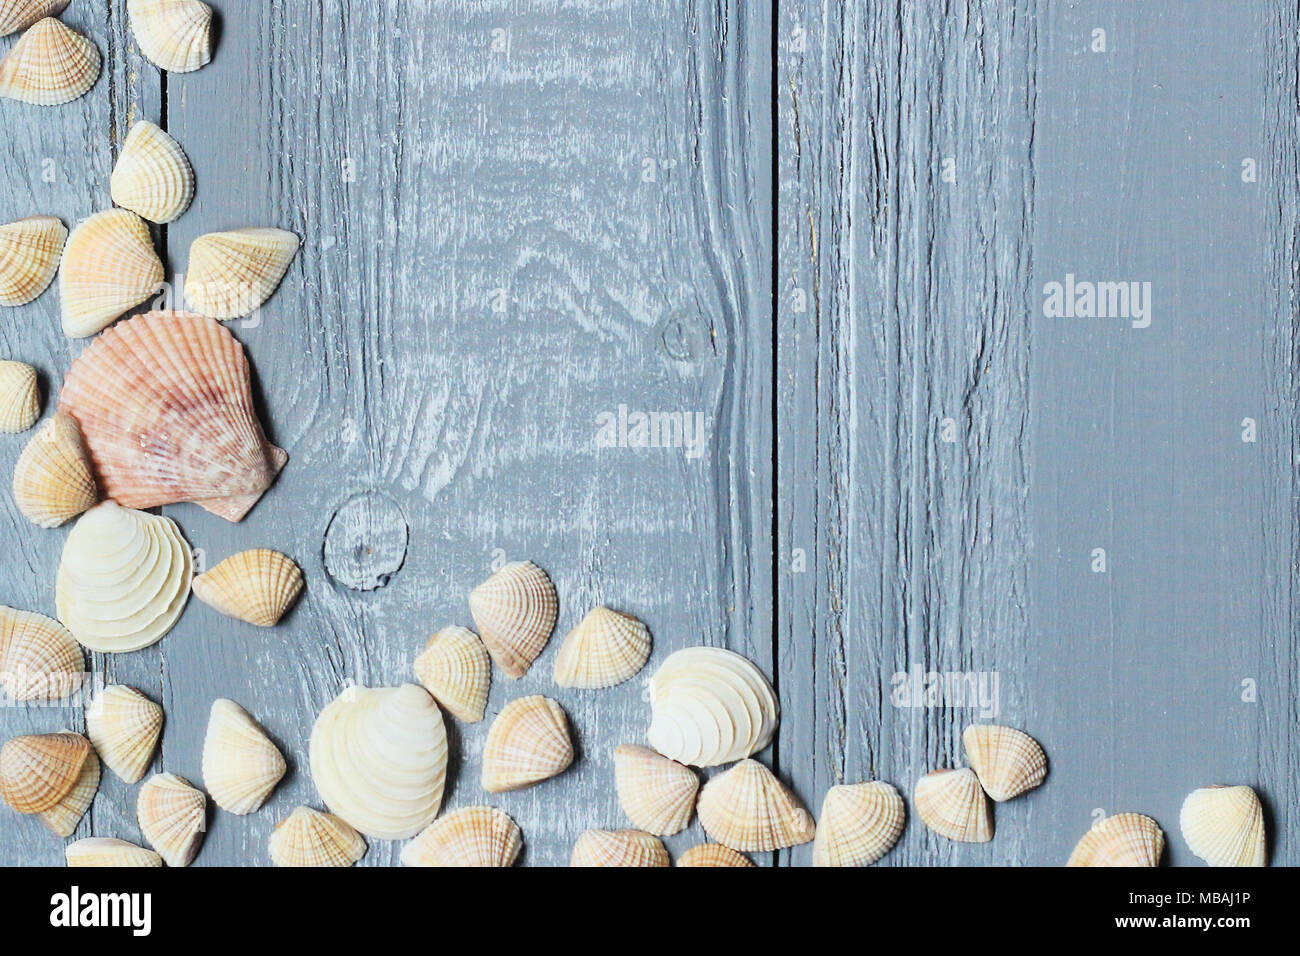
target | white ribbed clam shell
x=175, y=35
x=310, y=838
x=1224, y=826
x=859, y=824
x=50, y=64
x=152, y=176
x=173, y=817
x=30, y=250
x=515, y=611
x=471, y=837
x=657, y=794
x=1007, y=761
x=606, y=648
x=241, y=766
x=1122, y=840
x=109, y=266
x=619, y=848
x=53, y=478
x=39, y=657
x=952, y=804
x=124, y=725
x=747, y=808
x=109, y=852
x=455, y=668
x=20, y=399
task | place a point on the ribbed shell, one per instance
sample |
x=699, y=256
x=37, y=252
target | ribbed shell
x=39, y=657
x=124, y=725
x=256, y=586
x=30, y=250
x=18, y=15
x=20, y=398
x=953, y=805
x=49, y=65
x=472, y=836
x=747, y=808
x=233, y=273
x=1007, y=761
x=174, y=35
x=605, y=649
x=38, y=770
x=515, y=611
x=241, y=766
x=53, y=478
x=110, y=852
x=657, y=794
x=173, y=817
x=619, y=848
x=152, y=177
x=308, y=837
x=109, y=266
x=1224, y=826
x=63, y=817
x=454, y=667
x=526, y=744
x=859, y=824
x=1126, y=839
x=713, y=854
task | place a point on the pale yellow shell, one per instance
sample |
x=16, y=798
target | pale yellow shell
x=1224, y=826
x=1126, y=839
x=747, y=808
x=472, y=836
x=63, y=817
x=308, y=837
x=30, y=250
x=109, y=266
x=37, y=771
x=231, y=274
x=174, y=35
x=152, y=177
x=18, y=15
x=173, y=817
x=39, y=658
x=256, y=586
x=952, y=804
x=859, y=824
x=53, y=478
x=454, y=667
x=241, y=766
x=713, y=854
x=1007, y=761
x=515, y=611
x=526, y=744
x=20, y=397
x=657, y=794
x=124, y=725
x=619, y=848
x=110, y=852
x=605, y=649
x=49, y=65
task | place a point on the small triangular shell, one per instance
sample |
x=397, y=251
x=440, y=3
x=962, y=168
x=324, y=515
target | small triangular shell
x=605, y=649
x=526, y=744
x=1008, y=762
x=174, y=35
x=241, y=766
x=53, y=479
x=18, y=15
x=473, y=836
x=39, y=658
x=20, y=398
x=124, y=725
x=1126, y=839
x=107, y=851
x=63, y=817
x=747, y=808
x=952, y=804
x=619, y=848
x=152, y=176
x=232, y=273
x=657, y=794
x=49, y=65
x=515, y=611
x=454, y=667
x=30, y=250
x=173, y=817
x=256, y=586
x=109, y=266
x=713, y=854
x=308, y=837
x=859, y=824
x=38, y=770
x=1224, y=826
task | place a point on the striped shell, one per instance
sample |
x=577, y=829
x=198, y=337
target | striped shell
x=39, y=658
x=124, y=725
x=30, y=250
x=526, y=744
x=231, y=274
x=241, y=766
x=18, y=15
x=109, y=266
x=619, y=848
x=472, y=836
x=109, y=852
x=50, y=64
x=308, y=837
x=605, y=649
x=38, y=771
x=152, y=176
x=515, y=611
x=454, y=667
x=713, y=854
x=859, y=824
x=20, y=397
x=1126, y=839
x=53, y=478
x=63, y=817
x=174, y=35
x=747, y=808
x=953, y=805
x=256, y=586
x=657, y=794
x=1224, y=826
x=1008, y=762
x=173, y=817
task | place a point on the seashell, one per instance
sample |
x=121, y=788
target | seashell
x=747, y=808
x=526, y=744
x=308, y=837
x=123, y=580
x=174, y=35
x=1224, y=826
x=1008, y=762
x=605, y=649
x=106, y=851
x=50, y=64
x=619, y=848
x=713, y=854
x=379, y=759
x=152, y=177
x=30, y=250
x=710, y=706
x=657, y=794
x=166, y=409
x=38, y=771
x=63, y=817
x=231, y=274
x=953, y=805
x=515, y=610
x=241, y=766
x=256, y=586
x=473, y=836
x=454, y=668
x=18, y=15
x=39, y=658
x=109, y=266
x=124, y=725
x=53, y=480
x=1126, y=839
x=859, y=824
x=20, y=398
x=173, y=817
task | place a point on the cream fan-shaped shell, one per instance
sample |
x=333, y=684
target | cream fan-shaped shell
x=657, y=794
x=109, y=266
x=619, y=848
x=50, y=64
x=605, y=649
x=20, y=397
x=30, y=250
x=308, y=837
x=379, y=759
x=174, y=35
x=713, y=854
x=953, y=805
x=152, y=177
x=526, y=744
x=1007, y=761
x=63, y=817
x=256, y=586
x=710, y=706
x=859, y=824
x=37, y=771
x=39, y=658
x=18, y=15
x=173, y=817
x=123, y=580
x=231, y=274
x=241, y=766
x=1224, y=826
x=53, y=478
x=124, y=725
x=747, y=808
x=454, y=667
x=110, y=852
x=515, y=611
x=1125, y=839
x=471, y=836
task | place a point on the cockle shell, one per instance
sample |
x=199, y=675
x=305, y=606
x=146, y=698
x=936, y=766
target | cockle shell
x=619, y=848
x=49, y=65
x=379, y=759
x=173, y=817
x=859, y=824
x=18, y=15
x=454, y=668
x=1224, y=826
x=39, y=658
x=109, y=266
x=231, y=274
x=124, y=725
x=20, y=398
x=165, y=405
x=953, y=805
x=256, y=586
x=526, y=744
x=515, y=610
x=123, y=580
x=1126, y=839
x=63, y=817
x=107, y=851
x=53, y=479
x=152, y=177
x=710, y=706
x=713, y=854
x=308, y=837
x=1007, y=761
x=605, y=649
x=38, y=771
x=30, y=250
x=174, y=35
x=241, y=766
x=472, y=836
x=657, y=794
x=748, y=808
